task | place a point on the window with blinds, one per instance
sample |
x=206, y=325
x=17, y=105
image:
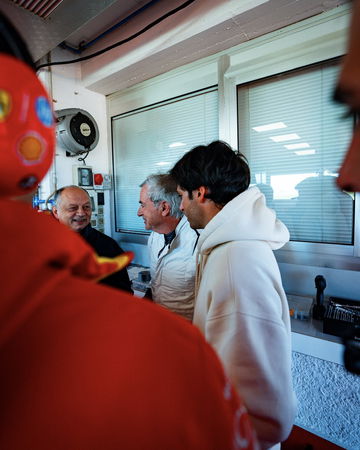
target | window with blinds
x=151, y=140
x=295, y=137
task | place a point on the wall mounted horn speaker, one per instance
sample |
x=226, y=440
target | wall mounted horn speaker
x=76, y=130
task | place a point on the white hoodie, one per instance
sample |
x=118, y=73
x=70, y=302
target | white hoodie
x=243, y=312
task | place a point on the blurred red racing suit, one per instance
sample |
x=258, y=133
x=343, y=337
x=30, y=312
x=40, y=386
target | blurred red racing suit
x=84, y=366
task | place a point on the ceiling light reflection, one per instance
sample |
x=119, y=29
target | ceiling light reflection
x=176, y=144
x=295, y=146
x=270, y=126
x=305, y=152
x=285, y=137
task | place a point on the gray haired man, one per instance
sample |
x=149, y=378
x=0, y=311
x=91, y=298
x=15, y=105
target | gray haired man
x=171, y=245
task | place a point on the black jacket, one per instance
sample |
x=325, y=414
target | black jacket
x=107, y=246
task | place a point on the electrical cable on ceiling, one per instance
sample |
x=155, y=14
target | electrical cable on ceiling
x=124, y=41
x=85, y=45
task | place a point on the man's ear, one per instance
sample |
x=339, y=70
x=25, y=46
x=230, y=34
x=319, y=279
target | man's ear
x=165, y=209
x=54, y=211
x=200, y=193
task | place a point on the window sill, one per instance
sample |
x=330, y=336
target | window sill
x=308, y=338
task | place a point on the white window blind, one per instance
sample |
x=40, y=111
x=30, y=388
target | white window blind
x=151, y=140
x=295, y=137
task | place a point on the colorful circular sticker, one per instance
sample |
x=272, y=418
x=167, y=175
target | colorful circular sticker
x=5, y=104
x=43, y=111
x=30, y=149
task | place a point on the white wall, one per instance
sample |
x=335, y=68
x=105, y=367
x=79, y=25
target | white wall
x=65, y=86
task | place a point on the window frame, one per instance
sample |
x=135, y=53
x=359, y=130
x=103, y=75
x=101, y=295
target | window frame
x=340, y=249
x=128, y=234
x=305, y=43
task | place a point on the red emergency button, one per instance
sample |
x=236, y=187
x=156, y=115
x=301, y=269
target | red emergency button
x=98, y=179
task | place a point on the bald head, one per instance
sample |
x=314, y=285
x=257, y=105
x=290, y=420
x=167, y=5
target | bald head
x=72, y=207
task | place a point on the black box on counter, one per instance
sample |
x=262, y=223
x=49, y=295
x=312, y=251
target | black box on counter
x=341, y=316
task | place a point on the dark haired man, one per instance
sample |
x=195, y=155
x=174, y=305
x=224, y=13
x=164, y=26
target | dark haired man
x=240, y=304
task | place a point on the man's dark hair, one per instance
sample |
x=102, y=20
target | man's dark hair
x=216, y=166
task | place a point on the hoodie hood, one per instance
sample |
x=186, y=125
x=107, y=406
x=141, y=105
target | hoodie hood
x=245, y=218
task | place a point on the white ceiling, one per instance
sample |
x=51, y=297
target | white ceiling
x=203, y=28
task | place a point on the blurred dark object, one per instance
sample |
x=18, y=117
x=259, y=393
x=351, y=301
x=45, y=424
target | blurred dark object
x=12, y=44
x=319, y=308
x=342, y=316
x=141, y=283
x=301, y=439
x=144, y=276
x=148, y=294
x=352, y=351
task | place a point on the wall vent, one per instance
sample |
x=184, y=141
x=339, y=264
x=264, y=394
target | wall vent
x=41, y=8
